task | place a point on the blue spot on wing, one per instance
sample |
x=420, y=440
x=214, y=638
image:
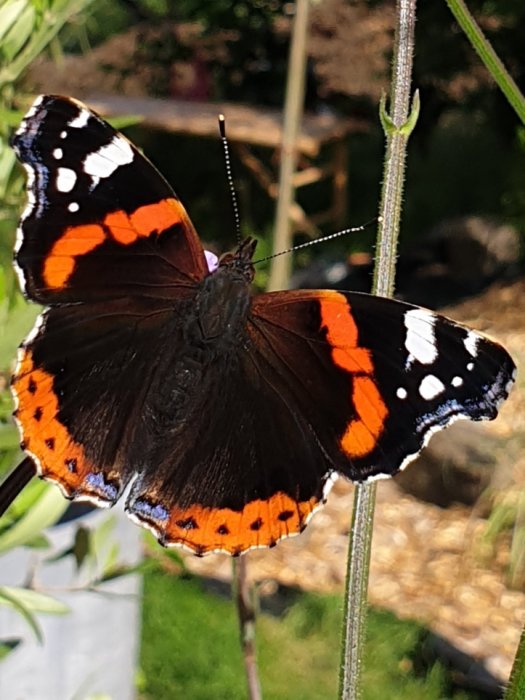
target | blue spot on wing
x=96, y=481
x=150, y=510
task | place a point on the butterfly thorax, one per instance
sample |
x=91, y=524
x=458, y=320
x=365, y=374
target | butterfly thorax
x=223, y=300
x=222, y=304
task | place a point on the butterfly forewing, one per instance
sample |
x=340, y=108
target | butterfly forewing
x=100, y=221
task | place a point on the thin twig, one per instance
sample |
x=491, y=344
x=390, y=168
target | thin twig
x=244, y=596
x=397, y=128
x=293, y=112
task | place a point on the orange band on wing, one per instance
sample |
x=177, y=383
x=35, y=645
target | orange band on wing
x=261, y=523
x=57, y=456
x=77, y=240
x=124, y=228
x=361, y=434
x=157, y=217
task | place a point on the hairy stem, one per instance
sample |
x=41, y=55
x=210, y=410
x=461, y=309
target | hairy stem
x=397, y=126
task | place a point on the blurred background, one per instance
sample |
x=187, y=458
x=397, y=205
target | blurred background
x=118, y=616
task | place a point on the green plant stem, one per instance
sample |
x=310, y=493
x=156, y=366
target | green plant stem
x=489, y=57
x=397, y=128
x=516, y=687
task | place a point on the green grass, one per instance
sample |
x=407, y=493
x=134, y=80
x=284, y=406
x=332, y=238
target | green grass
x=190, y=649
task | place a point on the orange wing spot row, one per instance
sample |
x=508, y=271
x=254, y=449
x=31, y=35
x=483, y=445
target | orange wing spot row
x=157, y=217
x=57, y=456
x=144, y=221
x=260, y=524
x=361, y=434
x=124, y=228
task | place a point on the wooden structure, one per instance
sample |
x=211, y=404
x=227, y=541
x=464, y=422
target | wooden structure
x=247, y=127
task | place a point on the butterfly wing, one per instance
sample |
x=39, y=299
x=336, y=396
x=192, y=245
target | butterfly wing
x=105, y=242
x=232, y=449
x=100, y=221
x=377, y=376
x=381, y=375
x=242, y=470
x=324, y=383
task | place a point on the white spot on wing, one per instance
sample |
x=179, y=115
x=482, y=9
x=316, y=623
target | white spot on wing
x=401, y=393
x=457, y=381
x=106, y=160
x=31, y=202
x=30, y=113
x=420, y=339
x=66, y=179
x=470, y=366
x=431, y=387
x=58, y=153
x=471, y=343
x=73, y=207
x=63, y=134
x=31, y=199
x=80, y=120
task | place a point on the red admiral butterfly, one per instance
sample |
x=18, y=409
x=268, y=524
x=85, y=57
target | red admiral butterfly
x=228, y=414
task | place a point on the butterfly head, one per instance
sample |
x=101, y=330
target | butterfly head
x=240, y=260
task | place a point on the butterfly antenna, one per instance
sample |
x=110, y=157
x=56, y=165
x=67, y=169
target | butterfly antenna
x=229, y=177
x=323, y=239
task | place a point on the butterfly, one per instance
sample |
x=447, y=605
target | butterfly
x=154, y=369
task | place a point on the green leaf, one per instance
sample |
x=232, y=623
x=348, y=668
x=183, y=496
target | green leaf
x=7, y=163
x=9, y=14
x=11, y=117
x=9, y=437
x=111, y=561
x=38, y=542
x=7, y=646
x=100, y=537
x=14, y=602
x=33, y=601
x=81, y=546
x=44, y=513
x=24, y=502
x=19, y=33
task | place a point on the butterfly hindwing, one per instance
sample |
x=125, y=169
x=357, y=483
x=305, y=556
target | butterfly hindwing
x=79, y=386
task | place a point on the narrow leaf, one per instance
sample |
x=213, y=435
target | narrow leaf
x=33, y=601
x=19, y=33
x=44, y=513
x=9, y=14
x=28, y=616
x=7, y=646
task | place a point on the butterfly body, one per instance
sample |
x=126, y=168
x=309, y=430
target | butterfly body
x=227, y=413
